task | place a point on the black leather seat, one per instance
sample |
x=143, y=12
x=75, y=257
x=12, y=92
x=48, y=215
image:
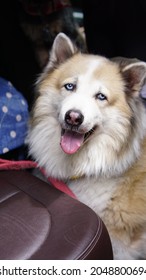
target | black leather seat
x=39, y=222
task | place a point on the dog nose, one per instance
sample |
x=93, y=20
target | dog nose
x=74, y=117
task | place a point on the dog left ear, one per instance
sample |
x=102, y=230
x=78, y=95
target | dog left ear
x=62, y=49
x=134, y=74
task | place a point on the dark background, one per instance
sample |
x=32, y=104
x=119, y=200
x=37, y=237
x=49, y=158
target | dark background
x=113, y=28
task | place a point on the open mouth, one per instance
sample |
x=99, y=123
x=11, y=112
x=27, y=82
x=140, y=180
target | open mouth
x=71, y=140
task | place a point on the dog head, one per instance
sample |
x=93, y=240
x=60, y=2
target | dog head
x=94, y=104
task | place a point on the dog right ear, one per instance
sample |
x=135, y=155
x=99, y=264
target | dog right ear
x=62, y=49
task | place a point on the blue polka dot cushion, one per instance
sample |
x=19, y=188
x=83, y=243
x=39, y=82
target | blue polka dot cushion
x=13, y=117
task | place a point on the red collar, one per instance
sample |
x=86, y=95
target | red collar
x=46, y=7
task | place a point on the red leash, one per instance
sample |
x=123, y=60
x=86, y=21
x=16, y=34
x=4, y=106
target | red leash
x=16, y=165
x=27, y=164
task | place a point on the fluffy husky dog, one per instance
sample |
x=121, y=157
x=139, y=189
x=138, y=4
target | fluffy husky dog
x=89, y=122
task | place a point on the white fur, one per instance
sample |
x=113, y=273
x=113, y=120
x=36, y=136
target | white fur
x=101, y=162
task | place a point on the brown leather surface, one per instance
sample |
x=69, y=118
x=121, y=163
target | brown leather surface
x=39, y=222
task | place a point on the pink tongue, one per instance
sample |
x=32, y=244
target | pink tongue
x=71, y=141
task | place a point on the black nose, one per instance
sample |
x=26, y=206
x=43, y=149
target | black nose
x=74, y=117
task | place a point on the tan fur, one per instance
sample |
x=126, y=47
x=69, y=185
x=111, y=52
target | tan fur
x=111, y=163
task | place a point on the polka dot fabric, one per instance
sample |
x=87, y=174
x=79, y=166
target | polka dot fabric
x=13, y=117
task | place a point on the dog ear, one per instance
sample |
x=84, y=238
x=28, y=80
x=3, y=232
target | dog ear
x=134, y=74
x=62, y=49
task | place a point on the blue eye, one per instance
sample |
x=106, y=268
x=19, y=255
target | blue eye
x=100, y=96
x=70, y=86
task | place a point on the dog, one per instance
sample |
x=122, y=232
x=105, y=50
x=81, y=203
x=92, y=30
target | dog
x=42, y=20
x=88, y=128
